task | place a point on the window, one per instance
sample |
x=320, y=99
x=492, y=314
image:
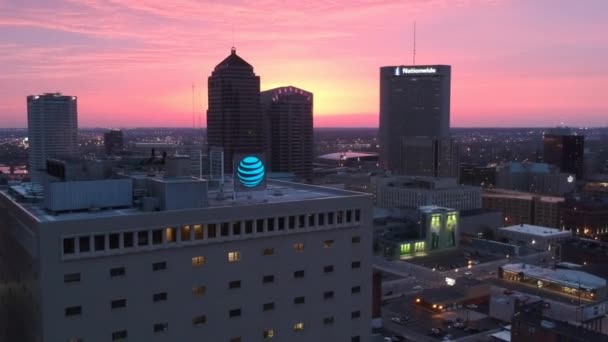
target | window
x=199, y=320
x=301, y=221
x=298, y=327
x=185, y=233
x=311, y=220
x=236, y=228
x=355, y=339
x=119, y=335
x=268, y=279
x=199, y=290
x=356, y=239
x=281, y=223
x=159, y=266
x=349, y=216
x=100, y=242
x=355, y=289
x=340, y=217
x=234, y=256
x=356, y=264
x=73, y=311
x=170, y=235
x=357, y=215
x=234, y=313
x=71, y=278
x=299, y=300
x=159, y=297
x=235, y=284
x=268, y=306
x=76, y=339
x=298, y=274
x=328, y=269
x=268, y=334
x=225, y=229
x=328, y=243
x=298, y=247
x=85, y=244
x=114, y=241
x=127, y=240
x=330, y=218
x=198, y=261
x=248, y=226
x=292, y=222
x=160, y=327
x=268, y=251
x=328, y=295
x=198, y=232
x=355, y=314
x=157, y=237
x=212, y=231
x=321, y=219
x=259, y=225
x=142, y=238
x=117, y=272
x=69, y=246
x=328, y=320
x=271, y=224
x=118, y=303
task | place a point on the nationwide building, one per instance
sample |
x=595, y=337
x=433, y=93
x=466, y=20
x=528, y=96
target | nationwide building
x=405, y=191
x=52, y=122
x=143, y=258
x=415, y=121
x=566, y=152
x=113, y=142
x=235, y=123
x=289, y=113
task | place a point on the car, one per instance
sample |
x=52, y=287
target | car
x=396, y=338
x=507, y=292
x=400, y=320
x=468, y=273
x=436, y=332
x=447, y=338
x=472, y=306
x=417, y=288
x=458, y=325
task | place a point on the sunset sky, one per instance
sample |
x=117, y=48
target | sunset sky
x=132, y=63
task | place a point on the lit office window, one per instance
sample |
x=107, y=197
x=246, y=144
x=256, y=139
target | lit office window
x=198, y=261
x=298, y=326
x=234, y=256
x=298, y=247
x=268, y=334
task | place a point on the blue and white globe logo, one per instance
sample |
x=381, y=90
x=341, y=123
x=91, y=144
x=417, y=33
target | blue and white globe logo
x=250, y=171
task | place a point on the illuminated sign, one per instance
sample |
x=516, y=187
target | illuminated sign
x=250, y=171
x=570, y=179
x=406, y=70
x=450, y=281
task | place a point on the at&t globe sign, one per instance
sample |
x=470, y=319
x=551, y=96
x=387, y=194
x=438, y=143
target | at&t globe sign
x=250, y=173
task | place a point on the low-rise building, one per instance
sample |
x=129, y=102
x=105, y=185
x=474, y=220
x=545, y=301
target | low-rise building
x=521, y=207
x=534, y=237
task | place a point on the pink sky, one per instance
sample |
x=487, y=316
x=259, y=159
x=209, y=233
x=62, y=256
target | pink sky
x=133, y=62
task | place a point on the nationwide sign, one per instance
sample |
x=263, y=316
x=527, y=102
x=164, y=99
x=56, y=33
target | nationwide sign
x=406, y=70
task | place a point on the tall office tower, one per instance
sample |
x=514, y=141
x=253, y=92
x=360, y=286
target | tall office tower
x=289, y=113
x=414, y=114
x=234, y=117
x=566, y=152
x=113, y=142
x=185, y=266
x=52, y=122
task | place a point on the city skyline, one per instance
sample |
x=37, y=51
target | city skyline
x=514, y=63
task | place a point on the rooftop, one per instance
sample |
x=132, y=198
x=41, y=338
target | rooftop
x=433, y=208
x=565, y=277
x=512, y=194
x=535, y=230
x=348, y=155
x=276, y=192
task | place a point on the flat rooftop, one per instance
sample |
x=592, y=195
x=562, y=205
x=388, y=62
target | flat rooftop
x=565, y=277
x=536, y=230
x=512, y=194
x=276, y=192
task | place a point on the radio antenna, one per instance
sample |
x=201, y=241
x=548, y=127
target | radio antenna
x=193, y=105
x=414, y=51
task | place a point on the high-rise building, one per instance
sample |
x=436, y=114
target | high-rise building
x=183, y=264
x=113, y=142
x=289, y=114
x=566, y=152
x=234, y=117
x=52, y=122
x=415, y=120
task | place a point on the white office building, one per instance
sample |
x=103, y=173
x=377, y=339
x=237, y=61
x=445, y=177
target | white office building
x=52, y=123
x=289, y=263
x=413, y=192
x=534, y=236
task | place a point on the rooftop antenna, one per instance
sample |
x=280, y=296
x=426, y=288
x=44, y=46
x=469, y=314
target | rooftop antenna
x=414, y=52
x=193, y=105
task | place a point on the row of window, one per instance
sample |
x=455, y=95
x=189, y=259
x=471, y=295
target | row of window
x=298, y=327
x=117, y=272
x=199, y=232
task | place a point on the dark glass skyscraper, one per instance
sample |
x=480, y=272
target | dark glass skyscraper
x=415, y=120
x=289, y=114
x=113, y=142
x=234, y=118
x=566, y=152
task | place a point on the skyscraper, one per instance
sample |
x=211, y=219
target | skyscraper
x=113, y=142
x=289, y=114
x=234, y=118
x=566, y=152
x=52, y=121
x=415, y=120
